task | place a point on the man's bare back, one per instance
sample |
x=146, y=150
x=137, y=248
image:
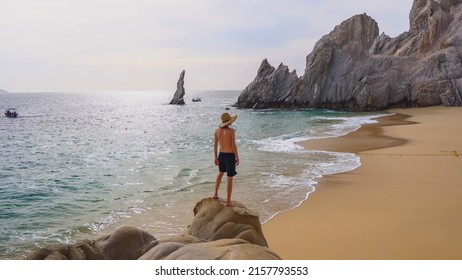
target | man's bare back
x=225, y=137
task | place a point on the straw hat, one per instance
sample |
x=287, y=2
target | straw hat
x=227, y=119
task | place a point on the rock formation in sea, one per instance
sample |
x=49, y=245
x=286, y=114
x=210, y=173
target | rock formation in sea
x=354, y=68
x=180, y=92
x=216, y=232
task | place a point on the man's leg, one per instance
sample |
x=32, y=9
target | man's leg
x=229, y=190
x=217, y=184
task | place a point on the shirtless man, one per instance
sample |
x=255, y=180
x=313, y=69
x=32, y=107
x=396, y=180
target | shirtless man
x=228, y=158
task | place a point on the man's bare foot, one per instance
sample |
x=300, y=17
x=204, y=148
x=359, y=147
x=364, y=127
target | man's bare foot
x=215, y=197
x=229, y=204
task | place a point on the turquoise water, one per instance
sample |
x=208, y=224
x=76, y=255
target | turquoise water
x=78, y=165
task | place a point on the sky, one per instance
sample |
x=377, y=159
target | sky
x=137, y=45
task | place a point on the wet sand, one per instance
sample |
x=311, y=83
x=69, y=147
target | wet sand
x=403, y=202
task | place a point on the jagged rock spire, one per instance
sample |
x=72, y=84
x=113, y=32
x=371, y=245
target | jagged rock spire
x=180, y=92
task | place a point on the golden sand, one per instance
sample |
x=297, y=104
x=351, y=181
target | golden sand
x=403, y=202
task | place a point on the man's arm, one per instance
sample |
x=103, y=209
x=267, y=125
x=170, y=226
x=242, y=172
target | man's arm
x=234, y=147
x=215, y=148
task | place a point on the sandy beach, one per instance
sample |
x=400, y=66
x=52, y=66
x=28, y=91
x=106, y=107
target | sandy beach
x=403, y=202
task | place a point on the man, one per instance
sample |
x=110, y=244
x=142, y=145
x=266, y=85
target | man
x=228, y=158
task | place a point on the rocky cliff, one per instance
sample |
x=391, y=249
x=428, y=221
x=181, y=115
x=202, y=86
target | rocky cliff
x=354, y=68
x=216, y=232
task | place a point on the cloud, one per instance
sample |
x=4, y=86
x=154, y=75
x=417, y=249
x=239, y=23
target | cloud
x=144, y=44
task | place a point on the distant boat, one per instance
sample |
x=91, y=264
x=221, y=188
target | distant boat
x=11, y=113
x=196, y=99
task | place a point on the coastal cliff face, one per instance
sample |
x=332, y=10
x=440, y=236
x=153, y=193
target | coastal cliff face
x=354, y=68
x=216, y=232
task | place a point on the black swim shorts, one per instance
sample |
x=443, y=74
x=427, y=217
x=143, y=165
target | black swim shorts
x=227, y=163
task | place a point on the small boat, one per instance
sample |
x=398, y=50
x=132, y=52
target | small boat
x=196, y=99
x=11, y=113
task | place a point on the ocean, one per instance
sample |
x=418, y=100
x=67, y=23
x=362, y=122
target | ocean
x=78, y=165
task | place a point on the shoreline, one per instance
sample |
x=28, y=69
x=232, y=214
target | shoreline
x=403, y=202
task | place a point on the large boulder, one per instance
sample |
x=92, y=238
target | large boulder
x=222, y=249
x=81, y=250
x=214, y=221
x=126, y=243
x=217, y=232
x=355, y=68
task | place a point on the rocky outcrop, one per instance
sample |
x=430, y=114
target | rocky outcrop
x=355, y=68
x=126, y=243
x=81, y=250
x=216, y=232
x=224, y=249
x=271, y=88
x=178, y=96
